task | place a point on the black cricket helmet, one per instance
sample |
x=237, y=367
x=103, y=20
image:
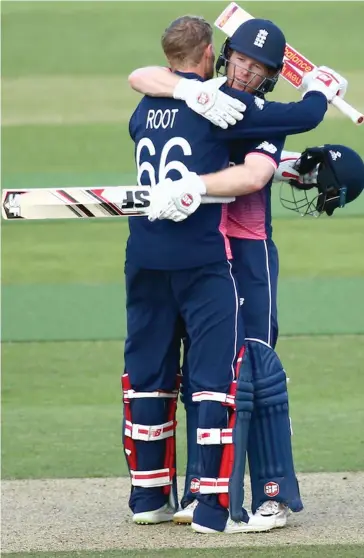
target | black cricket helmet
x=261, y=40
x=340, y=180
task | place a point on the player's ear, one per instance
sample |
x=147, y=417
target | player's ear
x=209, y=58
x=210, y=51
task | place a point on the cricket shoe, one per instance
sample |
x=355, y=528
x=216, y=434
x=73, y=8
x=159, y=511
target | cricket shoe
x=272, y=510
x=256, y=524
x=161, y=515
x=184, y=516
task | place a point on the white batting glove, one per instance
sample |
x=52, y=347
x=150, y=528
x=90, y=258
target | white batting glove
x=286, y=171
x=325, y=80
x=176, y=200
x=205, y=98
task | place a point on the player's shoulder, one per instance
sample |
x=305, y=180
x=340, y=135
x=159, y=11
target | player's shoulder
x=134, y=119
x=133, y=123
x=269, y=147
x=146, y=109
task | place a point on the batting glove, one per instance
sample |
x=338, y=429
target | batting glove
x=176, y=200
x=287, y=171
x=325, y=80
x=205, y=98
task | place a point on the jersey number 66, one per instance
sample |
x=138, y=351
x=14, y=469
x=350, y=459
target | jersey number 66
x=164, y=167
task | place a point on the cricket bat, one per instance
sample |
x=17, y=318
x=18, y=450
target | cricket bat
x=74, y=203
x=295, y=64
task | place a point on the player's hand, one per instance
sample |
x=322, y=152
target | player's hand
x=176, y=200
x=288, y=171
x=325, y=80
x=205, y=98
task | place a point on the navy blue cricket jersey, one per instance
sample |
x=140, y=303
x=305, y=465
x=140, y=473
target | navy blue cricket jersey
x=171, y=139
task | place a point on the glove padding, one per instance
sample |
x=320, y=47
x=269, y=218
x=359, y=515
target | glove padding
x=176, y=200
x=325, y=80
x=205, y=98
x=297, y=174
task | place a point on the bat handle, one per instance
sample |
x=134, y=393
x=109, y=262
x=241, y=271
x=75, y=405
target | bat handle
x=216, y=199
x=349, y=111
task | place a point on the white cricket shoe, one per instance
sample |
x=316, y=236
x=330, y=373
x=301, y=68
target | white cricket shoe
x=184, y=517
x=161, y=515
x=272, y=510
x=255, y=525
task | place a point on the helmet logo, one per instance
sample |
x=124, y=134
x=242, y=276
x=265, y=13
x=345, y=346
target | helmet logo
x=261, y=38
x=335, y=155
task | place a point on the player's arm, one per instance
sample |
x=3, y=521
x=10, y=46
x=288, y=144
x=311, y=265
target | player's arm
x=262, y=117
x=280, y=118
x=256, y=171
x=240, y=180
x=179, y=199
x=203, y=97
x=260, y=163
x=154, y=81
x=319, y=88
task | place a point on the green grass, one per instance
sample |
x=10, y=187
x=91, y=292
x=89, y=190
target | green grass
x=290, y=551
x=96, y=31
x=93, y=252
x=62, y=407
x=59, y=281
x=45, y=151
x=61, y=312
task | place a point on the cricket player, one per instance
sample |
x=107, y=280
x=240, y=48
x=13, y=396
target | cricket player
x=175, y=270
x=318, y=181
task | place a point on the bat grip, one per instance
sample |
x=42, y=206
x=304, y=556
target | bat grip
x=349, y=111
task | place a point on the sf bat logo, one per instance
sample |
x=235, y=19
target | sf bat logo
x=135, y=200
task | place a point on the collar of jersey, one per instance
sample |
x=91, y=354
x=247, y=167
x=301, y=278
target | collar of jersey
x=189, y=75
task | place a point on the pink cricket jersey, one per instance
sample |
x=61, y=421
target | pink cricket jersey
x=247, y=216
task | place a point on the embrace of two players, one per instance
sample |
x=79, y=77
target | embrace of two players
x=204, y=277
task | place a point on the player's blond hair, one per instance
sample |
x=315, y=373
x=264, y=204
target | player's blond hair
x=186, y=39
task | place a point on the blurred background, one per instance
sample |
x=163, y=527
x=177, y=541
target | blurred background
x=65, y=111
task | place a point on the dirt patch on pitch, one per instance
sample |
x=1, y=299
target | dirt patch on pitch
x=79, y=514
